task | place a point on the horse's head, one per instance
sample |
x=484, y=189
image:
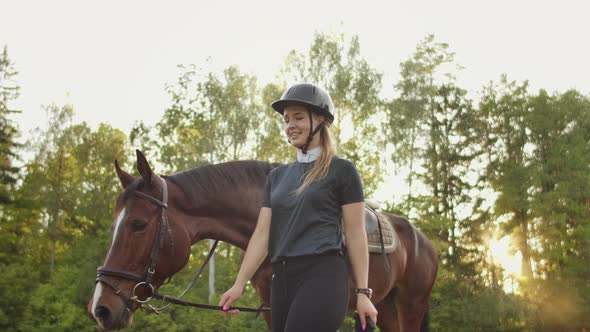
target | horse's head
x=147, y=246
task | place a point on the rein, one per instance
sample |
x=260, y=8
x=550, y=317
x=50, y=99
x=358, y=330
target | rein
x=146, y=279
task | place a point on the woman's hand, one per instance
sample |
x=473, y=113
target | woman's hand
x=365, y=308
x=229, y=297
x=254, y=256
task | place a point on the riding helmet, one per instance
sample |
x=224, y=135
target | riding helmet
x=309, y=95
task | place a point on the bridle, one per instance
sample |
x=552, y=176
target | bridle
x=146, y=279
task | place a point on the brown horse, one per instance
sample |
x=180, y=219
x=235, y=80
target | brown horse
x=159, y=218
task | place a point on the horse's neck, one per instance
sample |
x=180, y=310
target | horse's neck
x=226, y=216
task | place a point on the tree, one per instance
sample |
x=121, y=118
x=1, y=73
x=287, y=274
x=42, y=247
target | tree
x=58, y=164
x=210, y=120
x=231, y=107
x=505, y=110
x=98, y=185
x=411, y=115
x=9, y=91
x=73, y=170
x=432, y=126
x=270, y=137
x=436, y=135
x=559, y=132
x=81, y=171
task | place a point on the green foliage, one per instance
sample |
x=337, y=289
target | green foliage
x=270, y=138
x=432, y=126
x=211, y=120
x=558, y=128
x=63, y=204
x=504, y=110
x=468, y=307
x=537, y=147
x=48, y=312
x=18, y=282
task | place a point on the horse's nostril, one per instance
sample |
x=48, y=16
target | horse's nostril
x=102, y=313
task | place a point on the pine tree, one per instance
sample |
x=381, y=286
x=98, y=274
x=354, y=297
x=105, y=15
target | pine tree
x=9, y=91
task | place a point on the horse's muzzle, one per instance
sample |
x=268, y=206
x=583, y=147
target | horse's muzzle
x=108, y=320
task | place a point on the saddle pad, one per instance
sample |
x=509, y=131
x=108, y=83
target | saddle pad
x=390, y=239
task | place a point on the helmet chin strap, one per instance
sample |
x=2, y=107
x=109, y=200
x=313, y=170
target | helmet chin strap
x=311, y=133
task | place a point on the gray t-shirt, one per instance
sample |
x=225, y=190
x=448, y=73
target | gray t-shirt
x=309, y=223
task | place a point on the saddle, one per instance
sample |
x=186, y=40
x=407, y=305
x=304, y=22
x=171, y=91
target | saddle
x=381, y=237
x=373, y=220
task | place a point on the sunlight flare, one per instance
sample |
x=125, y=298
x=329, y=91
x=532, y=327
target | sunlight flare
x=509, y=260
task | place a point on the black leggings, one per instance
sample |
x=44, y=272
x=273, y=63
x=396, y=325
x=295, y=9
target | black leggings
x=309, y=293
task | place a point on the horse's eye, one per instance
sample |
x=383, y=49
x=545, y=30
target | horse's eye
x=138, y=226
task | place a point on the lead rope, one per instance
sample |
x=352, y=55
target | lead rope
x=178, y=301
x=197, y=274
x=207, y=306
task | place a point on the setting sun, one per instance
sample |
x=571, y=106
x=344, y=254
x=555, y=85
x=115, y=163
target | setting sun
x=509, y=261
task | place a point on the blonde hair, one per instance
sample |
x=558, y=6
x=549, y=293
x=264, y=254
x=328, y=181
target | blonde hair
x=322, y=164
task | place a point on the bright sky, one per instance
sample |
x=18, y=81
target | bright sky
x=113, y=57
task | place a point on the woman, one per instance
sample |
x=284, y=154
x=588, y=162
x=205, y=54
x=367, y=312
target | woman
x=307, y=206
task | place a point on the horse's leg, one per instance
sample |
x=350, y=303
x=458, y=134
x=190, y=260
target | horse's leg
x=387, y=320
x=411, y=310
x=261, y=281
x=419, y=275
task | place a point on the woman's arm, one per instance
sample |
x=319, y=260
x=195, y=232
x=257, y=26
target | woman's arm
x=353, y=216
x=255, y=254
x=257, y=248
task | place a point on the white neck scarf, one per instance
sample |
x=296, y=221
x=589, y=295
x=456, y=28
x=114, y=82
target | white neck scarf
x=310, y=156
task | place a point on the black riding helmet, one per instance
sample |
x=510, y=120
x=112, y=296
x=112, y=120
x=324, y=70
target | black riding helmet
x=311, y=97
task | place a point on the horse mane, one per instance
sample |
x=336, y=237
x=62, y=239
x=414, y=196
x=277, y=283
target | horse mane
x=215, y=178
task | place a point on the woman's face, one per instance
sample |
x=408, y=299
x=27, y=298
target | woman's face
x=296, y=119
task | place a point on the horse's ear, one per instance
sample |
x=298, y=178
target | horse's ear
x=144, y=167
x=124, y=177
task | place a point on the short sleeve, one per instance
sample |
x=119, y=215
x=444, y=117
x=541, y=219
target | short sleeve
x=266, y=197
x=351, y=187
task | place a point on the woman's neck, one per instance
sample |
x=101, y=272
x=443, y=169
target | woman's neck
x=311, y=155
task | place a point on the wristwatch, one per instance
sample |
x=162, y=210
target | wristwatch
x=367, y=291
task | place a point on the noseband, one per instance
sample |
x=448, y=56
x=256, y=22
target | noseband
x=145, y=279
